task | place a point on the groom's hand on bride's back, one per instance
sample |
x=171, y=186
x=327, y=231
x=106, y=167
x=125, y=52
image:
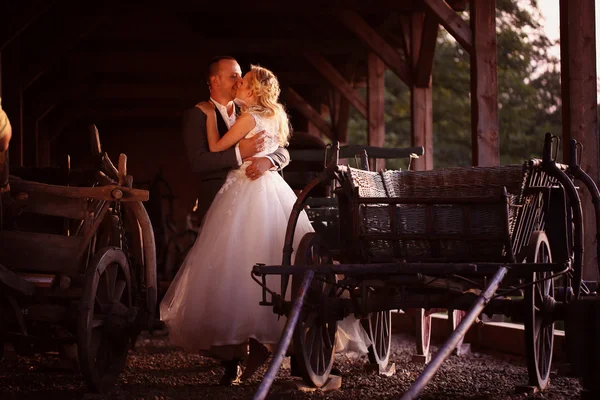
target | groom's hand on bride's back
x=258, y=166
x=253, y=145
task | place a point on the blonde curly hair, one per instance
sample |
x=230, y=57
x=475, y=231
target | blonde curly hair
x=265, y=87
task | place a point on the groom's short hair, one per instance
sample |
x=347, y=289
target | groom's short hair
x=213, y=66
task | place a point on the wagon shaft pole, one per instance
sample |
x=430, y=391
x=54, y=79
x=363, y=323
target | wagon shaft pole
x=286, y=337
x=459, y=333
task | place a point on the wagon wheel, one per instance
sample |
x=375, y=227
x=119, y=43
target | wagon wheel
x=539, y=324
x=454, y=318
x=104, y=319
x=379, y=328
x=423, y=328
x=314, y=336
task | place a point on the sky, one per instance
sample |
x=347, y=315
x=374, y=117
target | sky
x=550, y=13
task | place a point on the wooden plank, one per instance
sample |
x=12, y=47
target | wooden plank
x=453, y=23
x=421, y=116
x=296, y=101
x=424, y=65
x=38, y=252
x=355, y=23
x=15, y=282
x=375, y=96
x=484, y=85
x=579, y=110
x=337, y=80
x=52, y=204
x=96, y=193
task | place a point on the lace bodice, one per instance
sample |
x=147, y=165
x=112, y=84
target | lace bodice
x=269, y=125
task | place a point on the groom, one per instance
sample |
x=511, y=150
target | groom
x=224, y=77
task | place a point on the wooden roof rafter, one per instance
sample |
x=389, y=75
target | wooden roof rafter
x=454, y=24
x=337, y=80
x=424, y=64
x=294, y=99
x=388, y=54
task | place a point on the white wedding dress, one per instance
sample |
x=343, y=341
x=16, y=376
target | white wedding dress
x=213, y=300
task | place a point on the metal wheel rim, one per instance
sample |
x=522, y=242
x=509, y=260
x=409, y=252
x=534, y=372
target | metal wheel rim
x=539, y=334
x=423, y=325
x=314, y=339
x=107, y=284
x=454, y=318
x=379, y=327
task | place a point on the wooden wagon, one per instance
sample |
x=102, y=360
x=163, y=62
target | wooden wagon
x=321, y=206
x=77, y=269
x=500, y=240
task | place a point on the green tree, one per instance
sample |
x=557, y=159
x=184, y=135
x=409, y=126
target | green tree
x=528, y=93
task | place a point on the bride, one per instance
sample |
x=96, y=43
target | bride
x=212, y=300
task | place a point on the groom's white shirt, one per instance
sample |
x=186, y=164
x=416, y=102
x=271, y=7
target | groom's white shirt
x=229, y=121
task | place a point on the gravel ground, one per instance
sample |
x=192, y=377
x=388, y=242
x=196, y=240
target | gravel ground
x=156, y=370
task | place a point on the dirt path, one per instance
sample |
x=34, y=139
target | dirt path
x=156, y=370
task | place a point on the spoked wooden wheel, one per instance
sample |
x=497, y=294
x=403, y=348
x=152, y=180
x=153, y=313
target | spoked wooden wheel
x=539, y=324
x=454, y=318
x=379, y=328
x=104, y=319
x=423, y=330
x=314, y=335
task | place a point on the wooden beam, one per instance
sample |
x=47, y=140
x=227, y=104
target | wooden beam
x=343, y=117
x=309, y=8
x=405, y=24
x=11, y=28
x=12, y=100
x=187, y=44
x=343, y=108
x=453, y=23
x=295, y=100
x=424, y=65
x=421, y=101
x=579, y=108
x=484, y=85
x=176, y=67
x=337, y=80
x=355, y=23
x=375, y=96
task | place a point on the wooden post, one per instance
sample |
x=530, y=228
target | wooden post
x=484, y=84
x=422, y=47
x=12, y=100
x=375, y=106
x=579, y=111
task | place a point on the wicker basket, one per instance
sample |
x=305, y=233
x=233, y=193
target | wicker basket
x=435, y=230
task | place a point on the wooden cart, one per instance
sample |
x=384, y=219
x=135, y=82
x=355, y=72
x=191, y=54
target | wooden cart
x=500, y=240
x=77, y=269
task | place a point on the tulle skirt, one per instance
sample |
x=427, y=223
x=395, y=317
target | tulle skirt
x=213, y=301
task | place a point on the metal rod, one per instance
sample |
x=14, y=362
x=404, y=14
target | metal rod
x=592, y=188
x=433, y=269
x=286, y=337
x=459, y=333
